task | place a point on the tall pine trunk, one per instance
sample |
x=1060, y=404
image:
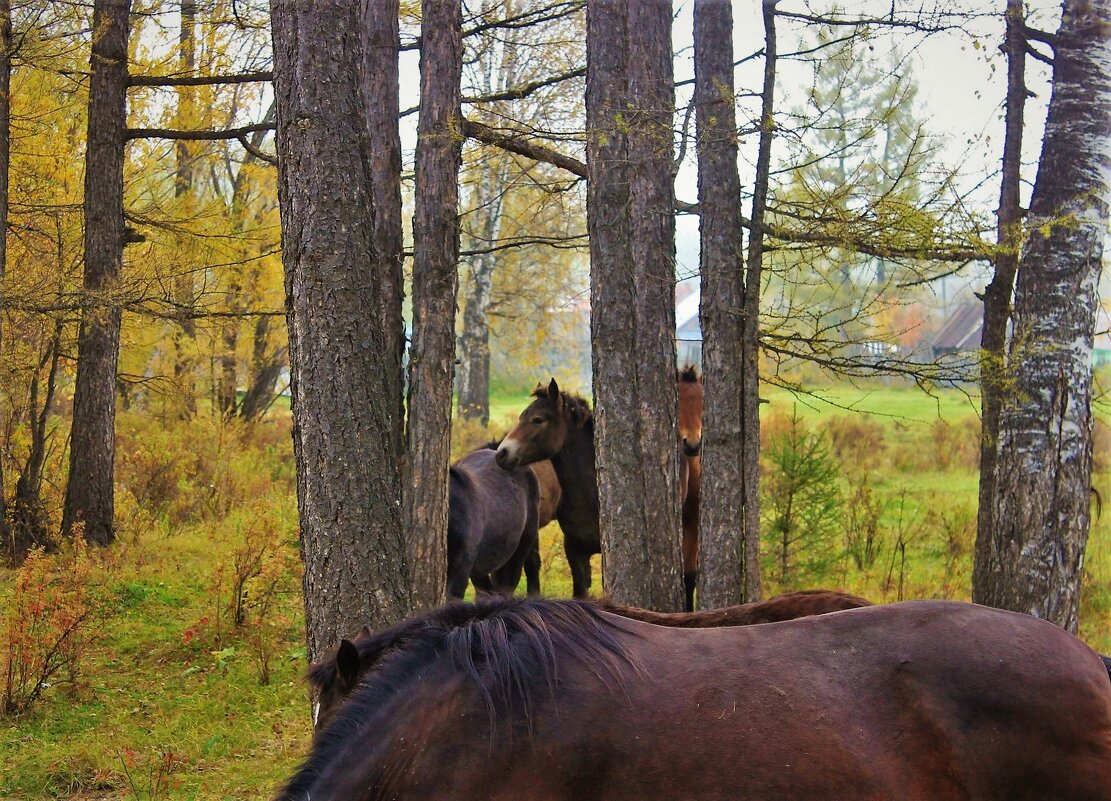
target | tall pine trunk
x=998, y=294
x=380, y=62
x=348, y=488
x=630, y=215
x=721, y=262
x=1042, y=501
x=435, y=253
x=89, y=498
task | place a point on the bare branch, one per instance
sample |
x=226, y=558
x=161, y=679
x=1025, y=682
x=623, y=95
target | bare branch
x=169, y=133
x=199, y=80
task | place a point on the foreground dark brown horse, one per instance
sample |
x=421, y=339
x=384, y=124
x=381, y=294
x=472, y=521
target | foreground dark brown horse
x=558, y=701
x=492, y=525
x=336, y=676
x=690, y=473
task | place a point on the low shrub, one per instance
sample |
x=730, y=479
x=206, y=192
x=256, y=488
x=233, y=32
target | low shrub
x=48, y=625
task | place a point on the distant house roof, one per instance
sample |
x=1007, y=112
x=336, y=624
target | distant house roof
x=961, y=331
x=687, y=327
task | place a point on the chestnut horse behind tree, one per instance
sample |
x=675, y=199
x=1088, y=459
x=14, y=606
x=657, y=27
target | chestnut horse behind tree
x=690, y=472
x=560, y=701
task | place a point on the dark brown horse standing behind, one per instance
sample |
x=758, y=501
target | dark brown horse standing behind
x=919, y=701
x=560, y=427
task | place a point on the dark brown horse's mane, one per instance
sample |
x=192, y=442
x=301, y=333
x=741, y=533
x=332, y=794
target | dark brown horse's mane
x=576, y=408
x=688, y=374
x=508, y=648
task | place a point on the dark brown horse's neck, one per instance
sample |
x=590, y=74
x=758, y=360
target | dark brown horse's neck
x=574, y=467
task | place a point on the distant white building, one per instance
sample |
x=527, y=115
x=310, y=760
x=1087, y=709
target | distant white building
x=688, y=328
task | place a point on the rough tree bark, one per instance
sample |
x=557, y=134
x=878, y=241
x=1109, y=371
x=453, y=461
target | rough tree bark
x=721, y=263
x=186, y=334
x=630, y=202
x=266, y=367
x=435, y=253
x=997, y=296
x=89, y=498
x=348, y=489
x=380, y=64
x=1043, y=475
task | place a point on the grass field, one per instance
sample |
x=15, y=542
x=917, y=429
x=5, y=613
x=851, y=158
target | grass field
x=168, y=702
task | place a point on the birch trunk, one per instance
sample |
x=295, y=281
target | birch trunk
x=1042, y=500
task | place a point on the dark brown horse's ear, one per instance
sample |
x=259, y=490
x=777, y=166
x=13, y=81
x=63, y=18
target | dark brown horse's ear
x=347, y=663
x=364, y=633
x=553, y=391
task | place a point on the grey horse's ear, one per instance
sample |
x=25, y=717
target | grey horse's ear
x=553, y=391
x=347, y=663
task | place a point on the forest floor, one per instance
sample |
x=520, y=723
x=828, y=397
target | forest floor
x=170, y=699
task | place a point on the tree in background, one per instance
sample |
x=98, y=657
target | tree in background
x=349, y=491
x=497, y=70
x=435, y=255
x=803, y=495
x=5, y=162
x=89, y=500
x=185, y=337
x=630, y=201
x=1042, y=506
x=522, y=220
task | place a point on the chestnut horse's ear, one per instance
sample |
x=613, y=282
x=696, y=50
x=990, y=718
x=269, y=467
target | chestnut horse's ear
x=364, y=633
x=553, y=391
x=347, y=663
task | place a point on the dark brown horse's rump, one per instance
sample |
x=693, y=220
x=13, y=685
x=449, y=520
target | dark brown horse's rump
x=555, y=701
x=788, y=606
